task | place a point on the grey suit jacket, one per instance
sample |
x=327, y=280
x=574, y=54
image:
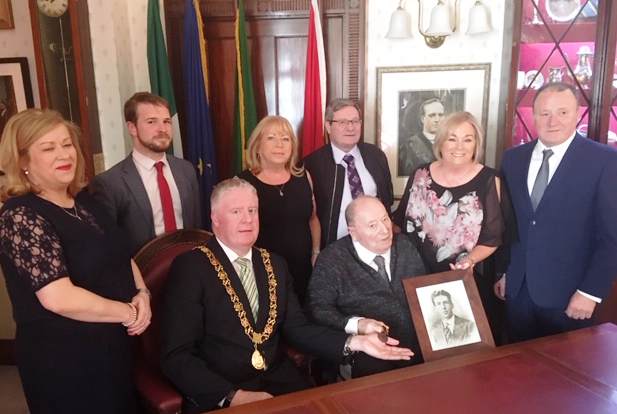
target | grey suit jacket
x=122, y=193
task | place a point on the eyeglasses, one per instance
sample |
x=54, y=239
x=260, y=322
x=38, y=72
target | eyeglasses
x=345, y=122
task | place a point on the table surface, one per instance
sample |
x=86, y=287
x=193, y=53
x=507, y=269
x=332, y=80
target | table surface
x=575, y=372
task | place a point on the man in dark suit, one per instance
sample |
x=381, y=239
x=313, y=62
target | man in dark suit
x=131, y=190
x=563, y=193
x=450, y=329
x=357, y=283
x=228, y=305
x=418, y=149
x=343, y=161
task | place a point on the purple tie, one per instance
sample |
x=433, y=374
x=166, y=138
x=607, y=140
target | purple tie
x=355, y=184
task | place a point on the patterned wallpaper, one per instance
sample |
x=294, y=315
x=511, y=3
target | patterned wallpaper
x=17, y=42
x=457, y=49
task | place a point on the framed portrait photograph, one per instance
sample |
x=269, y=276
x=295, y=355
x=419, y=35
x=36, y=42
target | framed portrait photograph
x=15, y=88
x=448, y=314
x=6, y=15
x=412, y=101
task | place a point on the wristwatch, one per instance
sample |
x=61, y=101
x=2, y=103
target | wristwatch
x=347, y=348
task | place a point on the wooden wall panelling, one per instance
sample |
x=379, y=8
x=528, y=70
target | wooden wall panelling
x=277, y=32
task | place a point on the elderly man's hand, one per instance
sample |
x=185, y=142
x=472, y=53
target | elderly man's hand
x=580, y=307
x=367, y=326
x=373, y=346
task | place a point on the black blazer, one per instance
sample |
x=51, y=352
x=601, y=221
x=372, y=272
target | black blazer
x=328, y=183
x=204, y=349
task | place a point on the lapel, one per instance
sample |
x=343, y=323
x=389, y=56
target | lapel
x=563, y=171
x=234, y=279
x=133, y=181
x=519, y=184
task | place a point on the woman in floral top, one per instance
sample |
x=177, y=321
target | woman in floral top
x=451, y=207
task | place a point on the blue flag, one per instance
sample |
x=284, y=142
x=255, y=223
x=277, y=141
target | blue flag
x=199, y=123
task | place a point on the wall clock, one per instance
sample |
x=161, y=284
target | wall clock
x=53, y=8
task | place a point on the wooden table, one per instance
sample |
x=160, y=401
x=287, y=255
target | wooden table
x=575, y=372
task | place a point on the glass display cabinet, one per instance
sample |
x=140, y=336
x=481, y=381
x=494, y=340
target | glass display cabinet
x=570, y=41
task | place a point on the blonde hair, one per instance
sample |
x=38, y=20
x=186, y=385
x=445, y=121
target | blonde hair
x=447, y=127
x=23, y=130
x=252, y=150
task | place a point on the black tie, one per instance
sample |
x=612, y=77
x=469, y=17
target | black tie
x=381, y=268
x=541, y=180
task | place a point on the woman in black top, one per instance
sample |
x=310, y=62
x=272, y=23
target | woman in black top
x=77, y=296
x=287, y=217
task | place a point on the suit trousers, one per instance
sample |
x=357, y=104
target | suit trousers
x=526, y=320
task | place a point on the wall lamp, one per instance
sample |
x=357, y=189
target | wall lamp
x=439, y=26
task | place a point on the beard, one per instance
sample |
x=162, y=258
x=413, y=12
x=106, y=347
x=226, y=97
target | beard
x=156, y=145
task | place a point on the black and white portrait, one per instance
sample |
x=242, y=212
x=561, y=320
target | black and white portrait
x=420, y=113
x=447, y=315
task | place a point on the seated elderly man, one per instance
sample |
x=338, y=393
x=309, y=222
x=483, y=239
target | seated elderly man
x=226, y=307
x=357, y=283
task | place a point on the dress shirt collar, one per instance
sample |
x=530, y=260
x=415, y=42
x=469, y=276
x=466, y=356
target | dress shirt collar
x=367, y=256
x=558, y=150
x=429, y=136
x=449, y=323
x=338, y=154
x=148, y=163
x=231, y=255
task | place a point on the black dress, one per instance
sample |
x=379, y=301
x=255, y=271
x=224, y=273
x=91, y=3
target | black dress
x=284, y=213
x=445, y=222
x=67, y=366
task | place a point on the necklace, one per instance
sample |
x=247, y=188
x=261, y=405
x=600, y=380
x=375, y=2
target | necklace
x=280, y=190
x=68, y=211
x=257, y=359
x=461, y=178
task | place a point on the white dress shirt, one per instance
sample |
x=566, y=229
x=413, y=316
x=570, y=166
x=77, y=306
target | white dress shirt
x=147, y=172
x=553, y=163
x=368, y=184
x=367, y=257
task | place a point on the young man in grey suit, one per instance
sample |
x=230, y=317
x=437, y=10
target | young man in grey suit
x=131, y=190
x=357, y=283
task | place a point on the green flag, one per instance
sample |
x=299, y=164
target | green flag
x=245, y=114
x=158, y=67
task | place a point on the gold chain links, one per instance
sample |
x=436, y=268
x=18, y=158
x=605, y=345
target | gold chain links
x=256, y=337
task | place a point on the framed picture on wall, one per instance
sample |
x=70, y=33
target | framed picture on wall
x=411, y=101
x=6, y=15
x=448, y=314
x=15, y=88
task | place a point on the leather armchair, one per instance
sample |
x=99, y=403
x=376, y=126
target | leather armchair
x=156, y=393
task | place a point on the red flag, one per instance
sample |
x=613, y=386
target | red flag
x=315, y=87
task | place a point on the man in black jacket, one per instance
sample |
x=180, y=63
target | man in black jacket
x=226, y=307
x=346, y=160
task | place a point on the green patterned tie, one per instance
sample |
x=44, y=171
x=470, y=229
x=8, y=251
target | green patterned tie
x=248, y=281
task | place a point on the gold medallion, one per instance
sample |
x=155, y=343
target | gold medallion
x=257, y=360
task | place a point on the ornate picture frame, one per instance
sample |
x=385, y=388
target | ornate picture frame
x=448, y=315
x=401, y=92
x=15, y=88
x=6, y=15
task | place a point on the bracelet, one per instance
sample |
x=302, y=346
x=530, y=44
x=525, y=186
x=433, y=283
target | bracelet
x=134, y=319
x=146, y=291
x=464, y=256
x=315, y=252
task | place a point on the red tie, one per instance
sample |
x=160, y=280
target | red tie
x=168, y=205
